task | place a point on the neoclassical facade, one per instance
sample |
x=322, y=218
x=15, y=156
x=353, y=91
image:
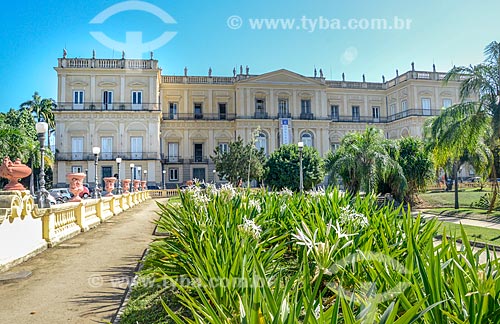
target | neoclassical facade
x=169, y=125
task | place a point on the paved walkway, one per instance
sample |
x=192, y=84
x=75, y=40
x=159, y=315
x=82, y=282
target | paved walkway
x=82, y=280
x=464, y=221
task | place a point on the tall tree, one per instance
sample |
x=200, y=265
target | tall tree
x=463, y=126
x=42, y=110
x=365, y=160
x=283, y=168
x=234, y=163
x=416, y=165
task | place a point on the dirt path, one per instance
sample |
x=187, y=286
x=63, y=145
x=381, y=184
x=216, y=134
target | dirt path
x=82, y=280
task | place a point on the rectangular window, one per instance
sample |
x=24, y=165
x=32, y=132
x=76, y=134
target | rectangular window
x=136, y=100
x=447, y=103
x=107, y=100
x=283, y=108
x=223, y=147
x=78, y=99
x=305, y=106
x=222, y=110
x=199, y=173
x=76, y=169
x=392, y=110
x=426, y=106
x=172, y=110
x=198, y=152
x=355, y=112
x=198, y=110
x=173, y=174
x=260, y=105
x=77, y=148
x=376, y=113
x=334, y=112
x=404, y=105
x=106, y=148
x=335, y=147
x=136, y=147
x=173, y=152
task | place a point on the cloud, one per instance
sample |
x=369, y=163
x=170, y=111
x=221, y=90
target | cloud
x=349, y=55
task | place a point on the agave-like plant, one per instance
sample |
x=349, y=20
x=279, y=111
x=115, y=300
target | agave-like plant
x=241, y=256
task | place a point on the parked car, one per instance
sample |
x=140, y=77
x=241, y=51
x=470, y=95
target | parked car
x=62, y=193
x=86, y=191
x=154, y=187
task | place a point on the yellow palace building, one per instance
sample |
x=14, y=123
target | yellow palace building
x=168, y=126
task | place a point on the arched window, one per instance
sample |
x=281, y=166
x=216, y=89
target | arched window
x=307, y=139
x=261, y=142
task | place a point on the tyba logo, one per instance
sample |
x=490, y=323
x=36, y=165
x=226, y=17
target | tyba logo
x=133, y=46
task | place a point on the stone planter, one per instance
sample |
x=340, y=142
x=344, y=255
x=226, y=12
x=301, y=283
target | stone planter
x=126, y=185
x=13, y=171
x=109, y=185
x=136, y=185
x=75, y=185
x=143, y=184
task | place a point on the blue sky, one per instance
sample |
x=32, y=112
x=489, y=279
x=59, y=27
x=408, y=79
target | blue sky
x=224, y=34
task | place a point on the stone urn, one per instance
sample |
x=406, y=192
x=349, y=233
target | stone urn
x=109, y=185
x=13, y=171
x=76, y=185
x=143, y=184
x=126, y=185
x=136, y=185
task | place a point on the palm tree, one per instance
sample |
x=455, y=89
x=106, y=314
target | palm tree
x=463, y=126
x=364, y=160
x=42, y=110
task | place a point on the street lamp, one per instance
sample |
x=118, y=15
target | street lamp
x=96, y=150
x=301, y=176
x=214, y=171
x=118, y=162
x=43, y=194
x=140, y=176
x=132, y=176
x=163, y=178
x=146, y=175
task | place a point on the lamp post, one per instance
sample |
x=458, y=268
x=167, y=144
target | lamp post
x=86, y=175
x=140, y=176
x=146, y=175
x=214, y=172
x=43, y=202
x=163, y=179
x=132, y=177
x=118, y=162
x=301, y=176
x=96, y=150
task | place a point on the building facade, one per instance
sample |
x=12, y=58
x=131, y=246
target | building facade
x=168, y=126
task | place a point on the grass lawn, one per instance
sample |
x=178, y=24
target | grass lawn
x=447, y=199
x=474, y=233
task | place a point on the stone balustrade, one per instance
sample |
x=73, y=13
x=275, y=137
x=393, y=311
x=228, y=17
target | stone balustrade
x=163, y=193
x=26, y=230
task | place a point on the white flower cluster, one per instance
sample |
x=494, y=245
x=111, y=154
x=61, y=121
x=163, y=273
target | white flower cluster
x=320, y=192
x=250, y=228
x=348, y=215
x=286, y=192
x=254, y=203
x=228, y=189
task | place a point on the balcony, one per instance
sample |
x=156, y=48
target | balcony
x=306, y=116
x=99, y=106
x=198, y=116
x=284, y=115
x=198, y=159
x=261, y=115
x=172, y=159
x=381, y=119
x=106, y=156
